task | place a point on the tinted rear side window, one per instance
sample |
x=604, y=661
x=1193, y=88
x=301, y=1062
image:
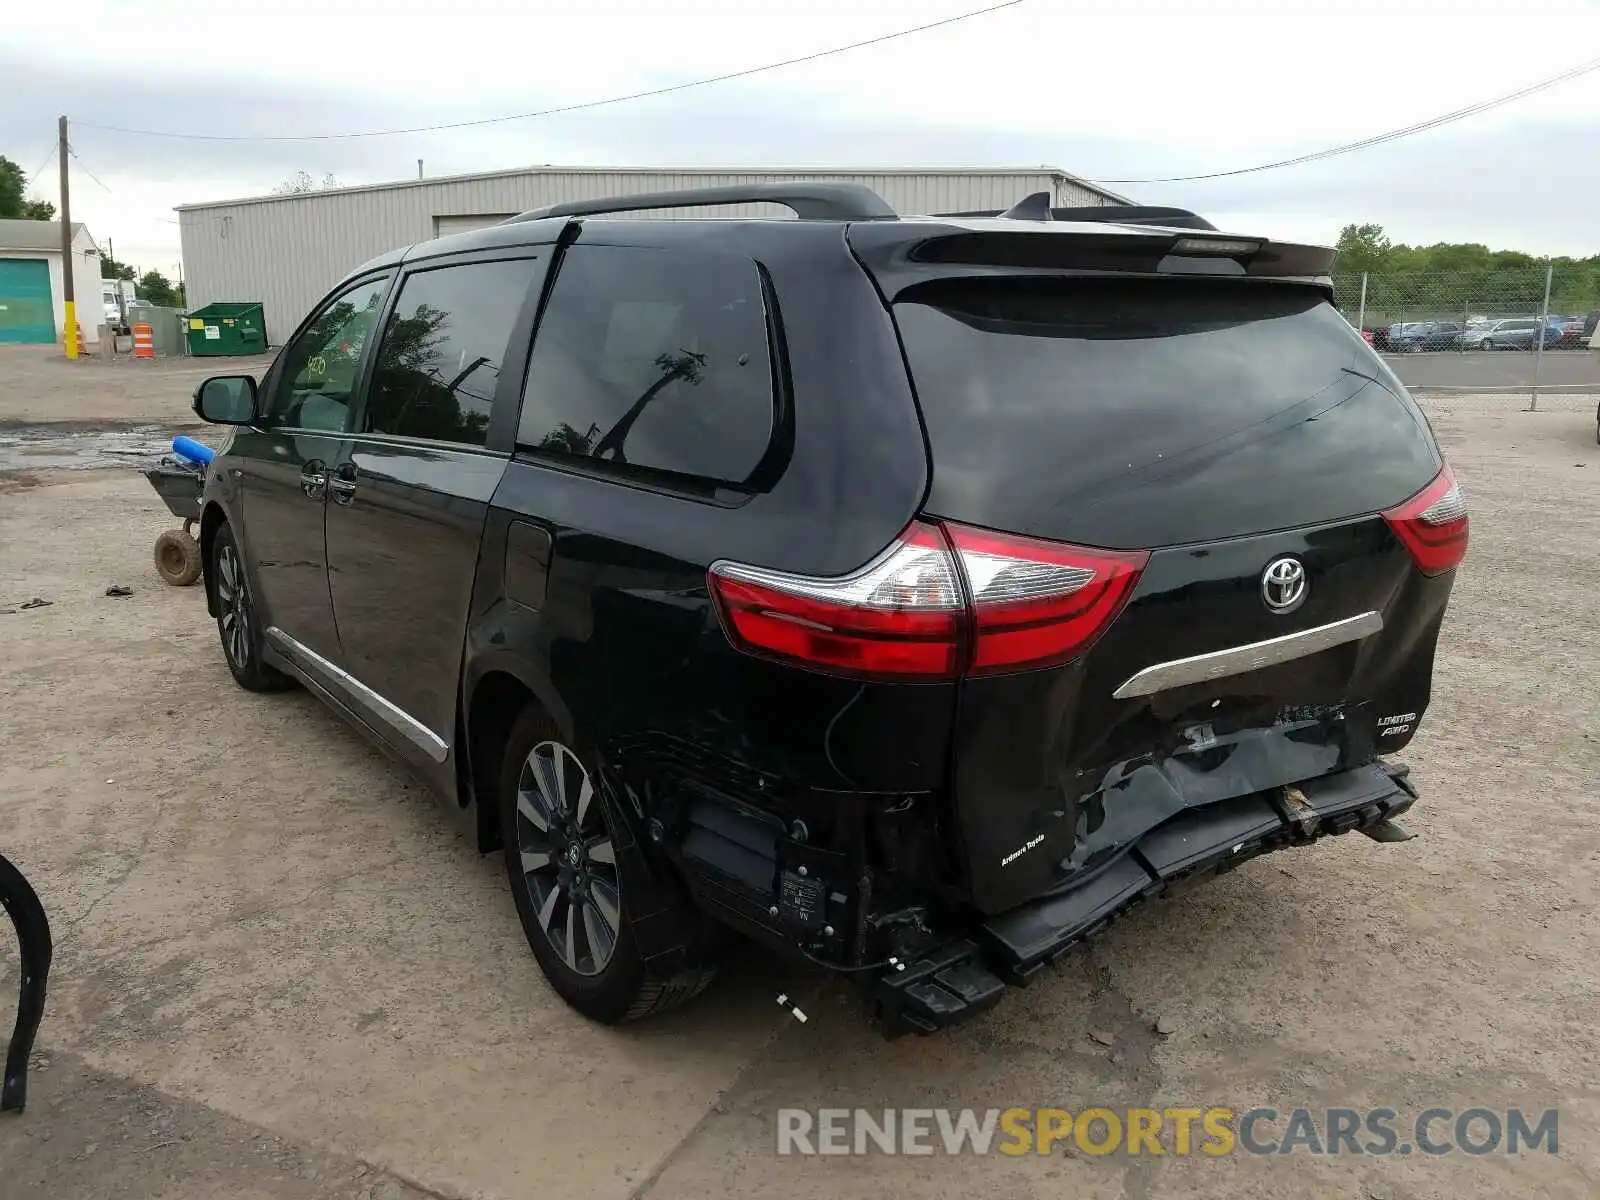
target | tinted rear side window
x=1154, y=412
x=655, y=359
x=439, y=361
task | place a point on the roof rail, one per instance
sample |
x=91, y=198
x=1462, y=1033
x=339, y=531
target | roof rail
x=810, y=201
x=1119, y=214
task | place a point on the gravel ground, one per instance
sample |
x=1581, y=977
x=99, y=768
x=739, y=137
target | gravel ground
x=279, y=974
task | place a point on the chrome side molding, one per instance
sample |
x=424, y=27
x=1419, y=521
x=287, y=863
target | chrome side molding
x=392, y=715
x=1236, y=660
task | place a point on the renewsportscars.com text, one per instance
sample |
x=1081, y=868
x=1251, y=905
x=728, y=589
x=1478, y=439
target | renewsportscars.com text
x=1212, y=1131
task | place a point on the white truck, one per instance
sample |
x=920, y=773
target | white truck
x=114, y=297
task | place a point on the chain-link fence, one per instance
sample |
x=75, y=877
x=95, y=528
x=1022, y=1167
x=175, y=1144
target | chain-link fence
x=1547, y=312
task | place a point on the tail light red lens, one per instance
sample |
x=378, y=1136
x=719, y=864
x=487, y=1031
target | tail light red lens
x=901, y=615
x=1433, y=524
x=1035, y=603
x=905, y=615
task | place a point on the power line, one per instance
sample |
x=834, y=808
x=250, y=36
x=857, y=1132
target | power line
x=85, y=166
x=565, y=108
x=1379, y=139
x=33, y=178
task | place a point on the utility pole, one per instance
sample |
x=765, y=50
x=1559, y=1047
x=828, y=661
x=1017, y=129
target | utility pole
x=68, y=300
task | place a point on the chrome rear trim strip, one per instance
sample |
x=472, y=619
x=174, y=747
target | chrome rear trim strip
x=392, y=715
x=1219, y=664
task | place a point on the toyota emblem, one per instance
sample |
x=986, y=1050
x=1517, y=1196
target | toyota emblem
x=1284, y=585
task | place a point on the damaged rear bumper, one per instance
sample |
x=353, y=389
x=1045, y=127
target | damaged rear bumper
x=959, y=979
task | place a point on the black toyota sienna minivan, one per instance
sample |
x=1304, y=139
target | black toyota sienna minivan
x=910, y=595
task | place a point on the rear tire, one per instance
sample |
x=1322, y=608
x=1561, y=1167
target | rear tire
x=236, y=619
x=560, y=861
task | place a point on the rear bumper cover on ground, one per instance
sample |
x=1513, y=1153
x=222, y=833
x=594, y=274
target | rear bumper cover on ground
x=959, y=979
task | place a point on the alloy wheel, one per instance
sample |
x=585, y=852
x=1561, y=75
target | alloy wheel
x=234, y=601
x=567, y=860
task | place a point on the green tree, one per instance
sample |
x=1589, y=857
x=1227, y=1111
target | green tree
x=14, y=202
x=1364, y=248
x=110, y=268
x=156, y=288
x=1453, y=281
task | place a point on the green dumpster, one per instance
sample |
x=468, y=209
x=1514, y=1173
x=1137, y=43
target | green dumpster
x=228, y=327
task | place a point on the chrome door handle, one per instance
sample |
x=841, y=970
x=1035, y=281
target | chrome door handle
x=314, y=480
x=343, y=483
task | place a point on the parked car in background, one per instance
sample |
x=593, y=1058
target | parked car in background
x=1442, y=336
x=1415, y=336
x=1377, y=337
x=1521, y=333
x=1471, y=338
x=901, y=660
x=1407, y=337
x=1575, y=333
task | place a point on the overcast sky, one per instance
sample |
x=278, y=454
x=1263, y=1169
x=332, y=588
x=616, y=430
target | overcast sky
x=1104, y=91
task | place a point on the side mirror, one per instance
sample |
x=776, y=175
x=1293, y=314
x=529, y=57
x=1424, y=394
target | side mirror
x=226, y=400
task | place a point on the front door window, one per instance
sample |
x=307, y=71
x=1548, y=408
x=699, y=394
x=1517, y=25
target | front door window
x=323, y=364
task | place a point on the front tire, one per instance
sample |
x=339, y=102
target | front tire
x=236, y=619
x=561, y=862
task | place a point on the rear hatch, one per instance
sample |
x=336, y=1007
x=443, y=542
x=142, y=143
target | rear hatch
x=1237, y=438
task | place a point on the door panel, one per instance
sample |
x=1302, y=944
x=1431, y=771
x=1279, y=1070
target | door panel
x=410, y=494
x=282, y=504
x=402, y=553
x=284, y=465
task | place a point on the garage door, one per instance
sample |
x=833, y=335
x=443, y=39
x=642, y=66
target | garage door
x=25, y=311
x=444, y=226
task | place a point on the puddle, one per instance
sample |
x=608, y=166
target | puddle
x=80, y=446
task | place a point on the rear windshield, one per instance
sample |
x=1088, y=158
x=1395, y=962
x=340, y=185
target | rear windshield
x=1072, y=407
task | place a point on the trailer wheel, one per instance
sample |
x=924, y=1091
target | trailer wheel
x=178, y=557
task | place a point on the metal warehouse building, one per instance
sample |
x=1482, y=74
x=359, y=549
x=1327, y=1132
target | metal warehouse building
x=287, y=251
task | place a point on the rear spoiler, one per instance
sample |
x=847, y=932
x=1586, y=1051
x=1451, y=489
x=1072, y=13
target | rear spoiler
x=1096, y=241
x=1031, y=209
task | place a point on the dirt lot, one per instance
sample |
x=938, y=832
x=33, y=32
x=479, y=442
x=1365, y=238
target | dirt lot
x=279, y=975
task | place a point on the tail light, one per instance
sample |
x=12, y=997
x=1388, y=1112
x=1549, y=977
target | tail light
x=1433, y=524
x=901, y=615
x=1036, y=603
x=941, y=601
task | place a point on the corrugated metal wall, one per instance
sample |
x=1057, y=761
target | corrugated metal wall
x=287, y=251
